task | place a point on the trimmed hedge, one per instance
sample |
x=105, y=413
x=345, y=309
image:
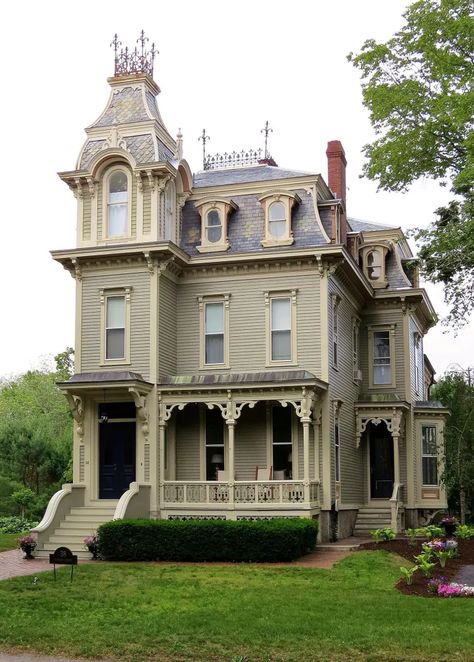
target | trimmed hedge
x=207, y=540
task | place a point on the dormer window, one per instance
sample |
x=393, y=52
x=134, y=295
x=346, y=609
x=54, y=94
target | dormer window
x=214, y=217
x=277, y=206
x=213, y=226
x=373, y=258
x=277, y=221
x=374, y=265
x=117, y=187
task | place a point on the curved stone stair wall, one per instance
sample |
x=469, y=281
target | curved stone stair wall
x=79, y=523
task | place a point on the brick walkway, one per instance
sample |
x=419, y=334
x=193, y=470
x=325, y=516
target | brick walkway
x=12, y=563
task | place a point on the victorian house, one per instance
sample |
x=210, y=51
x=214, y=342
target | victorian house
x=244, y=348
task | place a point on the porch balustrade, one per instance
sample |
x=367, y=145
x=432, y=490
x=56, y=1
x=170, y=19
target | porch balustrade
x=246, y=493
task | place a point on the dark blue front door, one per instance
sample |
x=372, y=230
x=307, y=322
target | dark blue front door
x=117, y=458
x=381, y=462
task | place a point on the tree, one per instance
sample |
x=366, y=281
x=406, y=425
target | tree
x=35, y=431
x=419, y=89
x=458, y=474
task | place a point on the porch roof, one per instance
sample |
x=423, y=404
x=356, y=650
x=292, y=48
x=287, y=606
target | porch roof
x=241, y=379
x=117, y=379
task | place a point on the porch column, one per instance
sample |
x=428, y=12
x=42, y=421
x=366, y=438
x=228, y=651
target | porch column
x=306, y=421
x=161, y=442
x=231, y=472
x=396, y=458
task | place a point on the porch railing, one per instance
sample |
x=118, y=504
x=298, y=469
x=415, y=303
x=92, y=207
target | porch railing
x=211, y=493
x=396, y=507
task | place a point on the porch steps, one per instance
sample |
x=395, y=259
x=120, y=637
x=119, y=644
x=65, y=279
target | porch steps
x=370, y=518
x=79, y=523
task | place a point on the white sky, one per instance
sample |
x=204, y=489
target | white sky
x=224, y=66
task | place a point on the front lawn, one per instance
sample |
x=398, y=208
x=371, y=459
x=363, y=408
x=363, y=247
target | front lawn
x=234, y=613
x=8, y=541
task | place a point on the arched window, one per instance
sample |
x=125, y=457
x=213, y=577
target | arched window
x=117, y=204
x=169, y=211
x=277, y=220
x=374, y=265
x=213, y=226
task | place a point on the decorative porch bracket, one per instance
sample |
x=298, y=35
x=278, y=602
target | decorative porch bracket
x=393, y=421
x=142, y=410
x=76, y=405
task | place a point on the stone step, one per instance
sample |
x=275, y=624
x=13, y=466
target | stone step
x=94, y=512
x=374, y=511
x=374, y=516
x=81, y=525
x=88, y=517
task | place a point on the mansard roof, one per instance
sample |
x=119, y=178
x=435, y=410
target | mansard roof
x=257, y=173
x=246, y=226
x=358, y=225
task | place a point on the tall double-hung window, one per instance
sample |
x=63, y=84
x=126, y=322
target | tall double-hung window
x=115, y=325
x=429, y=455
x=117, y=204
x=280, y=310
x=214, y=322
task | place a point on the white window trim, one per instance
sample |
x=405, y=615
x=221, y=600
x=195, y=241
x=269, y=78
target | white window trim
x=422, y=455
x=203, y=445
x=382, y=249
x=224, y=207
x=337, y=440
x=288, y=199
x=294, y=439
x=105, y=204
x=105, y=293
x=280, y=294
x=417, y=364
x=391, y=328
x=202, y=301
x=355, y=350
x=170, y=190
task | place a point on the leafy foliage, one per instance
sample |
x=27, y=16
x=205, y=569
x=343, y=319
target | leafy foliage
x=447, y=256
x=207, y=540
x=380, y=535
x=35, y=438
x=458, y=474
x=419, y=89
x=15, y=525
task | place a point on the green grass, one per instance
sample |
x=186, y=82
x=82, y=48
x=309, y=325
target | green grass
x=8, y=541
x=229, y=613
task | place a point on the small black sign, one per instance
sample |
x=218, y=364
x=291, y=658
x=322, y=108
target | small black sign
x=63, y=556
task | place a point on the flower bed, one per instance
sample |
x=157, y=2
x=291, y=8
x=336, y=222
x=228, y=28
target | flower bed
x=442, y=577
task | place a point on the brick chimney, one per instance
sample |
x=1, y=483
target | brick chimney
x=337, y=183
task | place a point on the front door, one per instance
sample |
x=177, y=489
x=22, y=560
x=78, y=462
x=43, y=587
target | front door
x=117, y=458
x=381, y=462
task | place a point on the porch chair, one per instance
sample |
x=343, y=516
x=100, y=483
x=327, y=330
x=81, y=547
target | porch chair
x=279, y=474
x=222, y=475
x=263, y=473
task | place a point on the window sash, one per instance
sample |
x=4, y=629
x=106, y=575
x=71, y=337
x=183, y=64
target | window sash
x=117, y=204
x=115, y=328
x=429, y=455
x=337, y=452
x=213, y=333
x=335, y=333
x=281, y=329
x=382, y=369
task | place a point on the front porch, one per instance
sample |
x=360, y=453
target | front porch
x=214, y=441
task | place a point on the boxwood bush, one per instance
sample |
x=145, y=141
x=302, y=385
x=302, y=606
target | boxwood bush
x=207, y=540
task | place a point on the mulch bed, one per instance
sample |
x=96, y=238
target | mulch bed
x=402, y=547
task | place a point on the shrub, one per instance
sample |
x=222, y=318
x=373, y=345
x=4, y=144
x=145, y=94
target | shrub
x=207, y=540
x=465, y=531
x=15, y=525
x=380, y=535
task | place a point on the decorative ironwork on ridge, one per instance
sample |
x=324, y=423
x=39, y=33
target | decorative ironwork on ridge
x=138, y=61
x=233, y=159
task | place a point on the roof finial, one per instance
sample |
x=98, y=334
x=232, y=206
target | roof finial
x=266, y=130
x=134, y=62
x=204, y=139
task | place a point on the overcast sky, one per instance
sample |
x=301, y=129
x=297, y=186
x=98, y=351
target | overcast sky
x=227, y=67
